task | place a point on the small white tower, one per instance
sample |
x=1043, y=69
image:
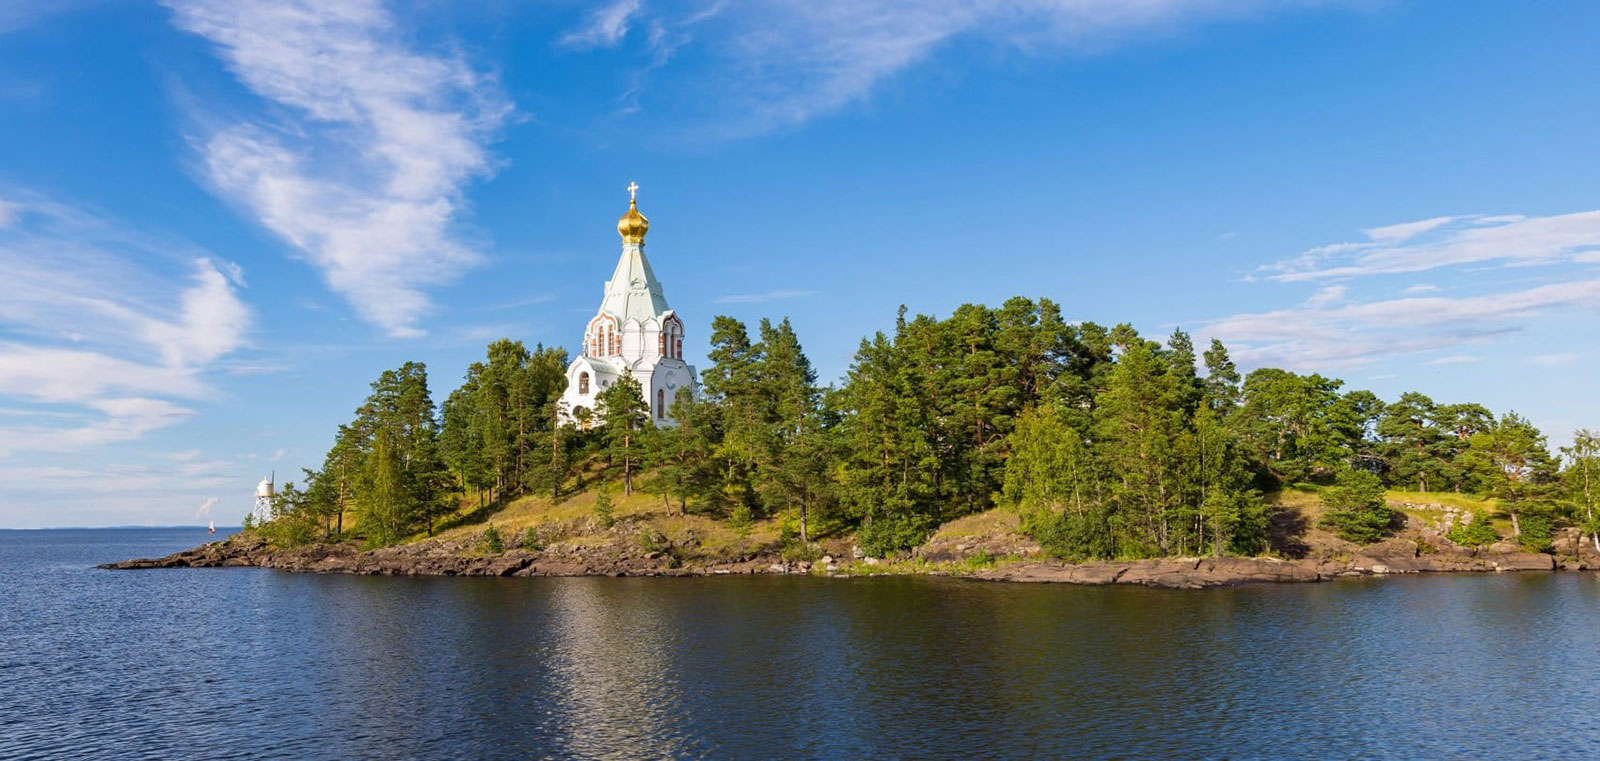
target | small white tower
x=264, y=494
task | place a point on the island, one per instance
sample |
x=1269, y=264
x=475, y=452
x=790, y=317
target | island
x=1000, y=443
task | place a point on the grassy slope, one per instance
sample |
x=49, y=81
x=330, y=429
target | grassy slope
x=573, y=518
x=575, y=515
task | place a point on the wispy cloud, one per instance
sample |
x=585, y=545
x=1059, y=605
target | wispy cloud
x=1554, y=360
x=106, y=328
x=204, y=511
x=1455, y=359
x=1449, y=241
x=605, y=26
x=781, y=62
x=760, y=298
x=1312, y=336
x=363, y=164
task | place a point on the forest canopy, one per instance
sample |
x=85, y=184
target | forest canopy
x=1107, y=443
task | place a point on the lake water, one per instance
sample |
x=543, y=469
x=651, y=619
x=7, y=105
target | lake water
x=252, y=664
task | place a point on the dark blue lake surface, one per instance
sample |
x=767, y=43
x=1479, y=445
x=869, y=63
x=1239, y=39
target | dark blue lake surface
x=251, y=664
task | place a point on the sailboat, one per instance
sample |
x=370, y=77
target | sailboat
x=212, y=529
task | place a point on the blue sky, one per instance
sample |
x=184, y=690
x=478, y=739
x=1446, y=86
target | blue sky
x=219, y=221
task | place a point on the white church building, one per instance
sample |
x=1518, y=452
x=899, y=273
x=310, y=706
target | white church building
x=633, y=331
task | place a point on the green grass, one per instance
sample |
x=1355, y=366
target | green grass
x=1446, y=499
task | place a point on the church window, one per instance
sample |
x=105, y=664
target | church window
x=661, y=404
x=583, y=383
x=661, y=344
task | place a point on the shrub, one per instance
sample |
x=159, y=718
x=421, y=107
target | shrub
x=1356, y=510
x=1069, y=537
x=530, y=540
x=491, y=541
x=651, y=540
x=795, y=550
x=1536, y=533
x=292, y=530
x=886, y=534
x=979, y=560
x=604, y=509
x=1478, y=533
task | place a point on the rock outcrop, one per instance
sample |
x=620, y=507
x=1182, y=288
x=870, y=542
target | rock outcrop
x=632, y=550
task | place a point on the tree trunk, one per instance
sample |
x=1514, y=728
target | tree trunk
x=1516, y=526
x=805, y=537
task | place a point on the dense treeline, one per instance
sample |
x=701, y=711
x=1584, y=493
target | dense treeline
x=1108, y=443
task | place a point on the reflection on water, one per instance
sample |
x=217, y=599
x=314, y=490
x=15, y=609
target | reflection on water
x=260, y=664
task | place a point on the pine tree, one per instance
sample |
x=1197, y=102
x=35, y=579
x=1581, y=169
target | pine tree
x=624, y=415
x=683, y=455
x=1511, y=460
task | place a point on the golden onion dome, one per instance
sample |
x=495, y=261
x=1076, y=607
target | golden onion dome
x=633, y=225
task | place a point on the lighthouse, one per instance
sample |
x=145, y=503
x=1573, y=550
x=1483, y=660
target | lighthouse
x=264, y=497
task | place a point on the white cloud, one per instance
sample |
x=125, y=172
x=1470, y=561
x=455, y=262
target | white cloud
x=760, y=298
x=781, y=62
x=1312, y=337
x=1327, y=296
x=1455, y=359
x=204, y=511
x=1392, y=234
x=1450, y=241
x=142, y=321
x=1422, y=288
x=363, y=170
x=605, y=27
x=109, y=420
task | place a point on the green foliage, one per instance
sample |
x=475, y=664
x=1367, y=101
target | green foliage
x=1537, y=531
x=490, y=542
x=1510, y=459
x=651, y=540
x=1356, y=510
x=888, y=534
x=1478, y=533
x=530, y=539
x=795, y=551
x=979, y=560
x=604, y=509
x=1581, y=477
x=1069, y=536
x=495, y=430
x=1107, y=444
x=625, y=425
x=288, y=531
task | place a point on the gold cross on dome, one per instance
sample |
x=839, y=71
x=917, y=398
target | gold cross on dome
x=633, y=188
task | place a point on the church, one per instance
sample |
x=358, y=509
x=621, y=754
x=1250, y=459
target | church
x=633, y=331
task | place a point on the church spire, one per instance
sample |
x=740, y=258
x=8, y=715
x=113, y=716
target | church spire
x=633, y=225
x=633, y=292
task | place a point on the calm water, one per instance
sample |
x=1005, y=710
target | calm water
x=242, y=663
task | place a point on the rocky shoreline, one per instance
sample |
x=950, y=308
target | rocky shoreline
x=450, y=559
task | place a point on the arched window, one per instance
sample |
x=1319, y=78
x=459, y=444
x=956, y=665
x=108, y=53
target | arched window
x=661, y=344
x=583, y=383
x=661, y=404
